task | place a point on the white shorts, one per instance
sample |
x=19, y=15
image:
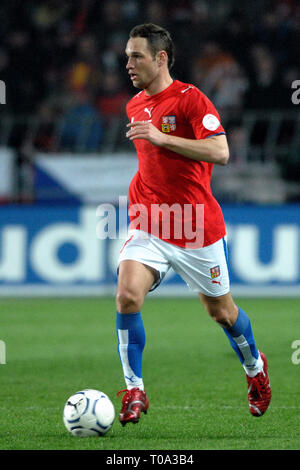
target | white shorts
x=204, y=270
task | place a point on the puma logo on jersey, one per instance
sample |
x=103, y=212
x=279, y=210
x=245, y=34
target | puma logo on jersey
x=148, y=111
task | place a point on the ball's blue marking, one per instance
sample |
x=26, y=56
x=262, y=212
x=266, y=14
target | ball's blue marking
x=87, y=405
x=94, y=406
x=100, y=425
x=94, y=413
x=97, y=431
x=73, y=420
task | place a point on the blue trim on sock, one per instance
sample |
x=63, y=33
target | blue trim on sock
x=128, y=321
x=136, y=339
x=234, y=345
x=243, y=327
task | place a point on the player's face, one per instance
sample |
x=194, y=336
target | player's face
x=141, y=65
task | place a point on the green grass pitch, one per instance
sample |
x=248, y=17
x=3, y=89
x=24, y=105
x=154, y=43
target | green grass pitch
x=195, y=383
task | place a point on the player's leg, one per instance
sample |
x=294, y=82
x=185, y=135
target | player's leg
x=135, y=279
x=237, y=327
x=205, y=270
x=142, y=266
x=134, y=282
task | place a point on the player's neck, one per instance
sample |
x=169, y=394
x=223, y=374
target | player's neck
x=159, y=84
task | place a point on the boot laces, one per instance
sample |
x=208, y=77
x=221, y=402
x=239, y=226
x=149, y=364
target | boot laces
x=258, y=385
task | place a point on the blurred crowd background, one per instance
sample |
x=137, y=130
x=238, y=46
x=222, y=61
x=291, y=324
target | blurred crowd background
x=63, y=63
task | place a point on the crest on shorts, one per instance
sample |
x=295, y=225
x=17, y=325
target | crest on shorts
x=215, y=272
x=168, y=123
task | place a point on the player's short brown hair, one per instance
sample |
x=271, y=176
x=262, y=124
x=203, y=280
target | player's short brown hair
x=159, y=39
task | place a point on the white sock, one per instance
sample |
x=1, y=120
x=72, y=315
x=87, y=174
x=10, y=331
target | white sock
x=254, y=369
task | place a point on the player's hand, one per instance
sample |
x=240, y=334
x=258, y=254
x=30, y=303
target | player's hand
x=145, y=130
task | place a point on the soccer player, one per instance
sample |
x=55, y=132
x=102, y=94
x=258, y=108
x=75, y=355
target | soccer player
x=175, y=220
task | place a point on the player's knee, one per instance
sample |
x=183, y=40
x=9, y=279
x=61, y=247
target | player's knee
x=222, y=316
x=128, y=301
x=221, y=309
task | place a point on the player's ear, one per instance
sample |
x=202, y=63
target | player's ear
x=162, y=58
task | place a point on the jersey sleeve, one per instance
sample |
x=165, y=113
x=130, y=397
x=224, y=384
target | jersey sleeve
x=202, y=115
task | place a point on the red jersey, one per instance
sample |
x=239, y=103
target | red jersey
x=167, y=178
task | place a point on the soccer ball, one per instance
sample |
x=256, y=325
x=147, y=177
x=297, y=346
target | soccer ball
x=88, y=413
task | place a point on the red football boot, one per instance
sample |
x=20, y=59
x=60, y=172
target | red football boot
x=134, y=402
x=259, y=391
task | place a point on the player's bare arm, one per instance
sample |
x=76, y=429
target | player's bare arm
x=214, y=149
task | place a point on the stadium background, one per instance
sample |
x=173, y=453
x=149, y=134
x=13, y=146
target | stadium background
x=64, y=151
